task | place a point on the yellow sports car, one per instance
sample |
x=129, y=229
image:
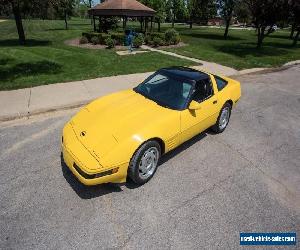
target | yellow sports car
x=125, y=133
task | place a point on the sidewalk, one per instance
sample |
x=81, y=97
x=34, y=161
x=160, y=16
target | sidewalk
x=26, y=102
x=208, y=66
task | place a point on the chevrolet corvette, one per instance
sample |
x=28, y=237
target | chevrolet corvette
x=124, y=134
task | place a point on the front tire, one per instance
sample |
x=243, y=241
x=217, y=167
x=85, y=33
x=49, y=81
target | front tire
x=143, y=163
x=223, y=119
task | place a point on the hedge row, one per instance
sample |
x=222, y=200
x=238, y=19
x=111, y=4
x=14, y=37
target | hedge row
x=100, y=38
x=156, y=39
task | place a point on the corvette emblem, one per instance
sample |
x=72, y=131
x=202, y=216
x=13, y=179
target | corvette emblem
x=82, y=133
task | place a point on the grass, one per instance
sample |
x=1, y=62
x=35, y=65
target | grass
x=46, y=59
x=239, y=50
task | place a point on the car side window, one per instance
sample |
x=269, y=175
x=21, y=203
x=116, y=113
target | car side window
x=221, y=83
x=203, y=90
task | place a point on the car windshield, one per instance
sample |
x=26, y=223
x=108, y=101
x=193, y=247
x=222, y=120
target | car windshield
x=165, y=91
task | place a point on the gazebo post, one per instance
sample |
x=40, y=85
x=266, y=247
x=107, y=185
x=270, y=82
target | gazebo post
x=125, y=22
x=151, y=24
x=99, y=24
x=146, y=24
x=141, y=22
x=94, y=23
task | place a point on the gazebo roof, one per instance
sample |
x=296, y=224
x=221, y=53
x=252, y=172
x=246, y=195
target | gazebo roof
x=131, y=8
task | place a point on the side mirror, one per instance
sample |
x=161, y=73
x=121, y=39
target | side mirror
x=194, y=105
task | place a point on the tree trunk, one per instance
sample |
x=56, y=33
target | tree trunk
x=296, y=37
x=260, y=36
x=19, y=24
x=66, y=21
x=191, y=24
x=158, y=26
x=92, y=18
x=292, y=30
x=173, y=20
x=227, y=28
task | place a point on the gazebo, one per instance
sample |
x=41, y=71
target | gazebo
x=123, y=9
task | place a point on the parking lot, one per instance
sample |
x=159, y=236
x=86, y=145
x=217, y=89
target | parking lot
x=203, y=195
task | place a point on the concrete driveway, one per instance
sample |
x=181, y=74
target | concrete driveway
x=203, y=195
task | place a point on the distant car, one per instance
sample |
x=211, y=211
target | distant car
x=125, y=133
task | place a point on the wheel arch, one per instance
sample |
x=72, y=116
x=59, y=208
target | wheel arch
x=230, y=102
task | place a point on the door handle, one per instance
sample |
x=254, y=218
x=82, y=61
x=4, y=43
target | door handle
x=215, y=102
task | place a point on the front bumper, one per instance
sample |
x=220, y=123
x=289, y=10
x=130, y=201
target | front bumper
x=77, y=163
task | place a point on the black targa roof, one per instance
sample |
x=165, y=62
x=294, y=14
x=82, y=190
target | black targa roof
x=185, y=73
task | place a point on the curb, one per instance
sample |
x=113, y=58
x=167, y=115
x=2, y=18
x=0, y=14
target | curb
x=5, y=118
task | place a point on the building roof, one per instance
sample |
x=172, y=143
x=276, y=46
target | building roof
x=131, y=8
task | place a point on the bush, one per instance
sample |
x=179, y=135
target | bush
x=155, y=38
x=104, y=36
x=87, y=35
x=172, y=36
x=147, y=39
x=101, y=36
x=157, y=34
x=138, y=40
x=157, y=41
x=175, y=40
x=95, y=40
x=118, y=37
x=83, y=40
x=90, y=35
x=110, y=43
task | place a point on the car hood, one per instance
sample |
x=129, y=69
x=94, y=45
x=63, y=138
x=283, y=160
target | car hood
x=105, y=122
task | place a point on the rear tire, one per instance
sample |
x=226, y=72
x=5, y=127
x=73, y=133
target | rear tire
x=223, y=119
x=144, y=162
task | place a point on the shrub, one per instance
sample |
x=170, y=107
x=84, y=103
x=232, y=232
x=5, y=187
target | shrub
x=101, y=36
x=138, y=40
x=147, y=39
x=95, y=40
x=110, y=43
x=175, y=40
x=118, y=37
x=172, y=36
x=157, y=34
x=157, y=41
x=104, y=36
x=83, y=40
x=87, y=35
x=150, y=42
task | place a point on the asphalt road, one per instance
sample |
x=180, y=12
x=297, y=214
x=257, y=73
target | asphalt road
x=203, y=195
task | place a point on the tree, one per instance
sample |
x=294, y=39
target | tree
x=294, y=16
x=242, y=13
x=201, y=10
x=159, y=6
x=294, y=6
x=64, y=8
x=226, y=8
x=17, y=7
x=265, y=14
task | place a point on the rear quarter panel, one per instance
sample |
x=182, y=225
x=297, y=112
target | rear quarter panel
x=231, y=92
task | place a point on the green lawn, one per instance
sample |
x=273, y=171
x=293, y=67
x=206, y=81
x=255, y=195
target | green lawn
x=239, y=51
x=46, y=59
